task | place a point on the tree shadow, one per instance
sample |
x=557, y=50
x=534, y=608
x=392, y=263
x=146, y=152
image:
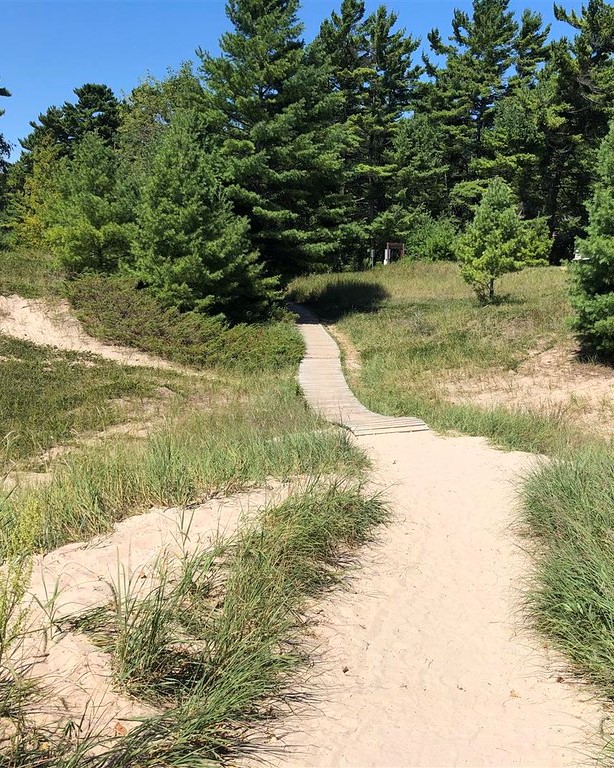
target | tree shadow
x=340, y=298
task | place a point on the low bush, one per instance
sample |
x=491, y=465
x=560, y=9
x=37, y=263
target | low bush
x=432, y=239
x=115, y=310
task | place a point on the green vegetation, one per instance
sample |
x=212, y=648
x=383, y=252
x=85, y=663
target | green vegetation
x=594, y=276
x=254, y=428
x=568, y=505
x=433, y=328
x=28, y=273
x=114, y=310
x=497, y=241
x=48, y=397
x=241, y=612
x=309, y=155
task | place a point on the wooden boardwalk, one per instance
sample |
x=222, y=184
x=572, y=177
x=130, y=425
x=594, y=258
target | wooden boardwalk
x=326, y=390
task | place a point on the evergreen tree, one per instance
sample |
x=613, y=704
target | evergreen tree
x=95, y=111
x=421, y=175
x=89, y=226
x=147, y=112
x=5, y=151
x=372, y=69
x=593, y=294
x=271, y=104
x=32, y=198
x=193, y=251
x=578, y=81
x=464, y=92
x=499, y=241
x=5, y=148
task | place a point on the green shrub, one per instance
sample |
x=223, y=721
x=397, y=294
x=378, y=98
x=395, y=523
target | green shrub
x=593, y=278
x=117, y=311
x=433, y=240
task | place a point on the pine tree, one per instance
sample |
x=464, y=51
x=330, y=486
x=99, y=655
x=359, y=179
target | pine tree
x=580, y=77
x=593, y=286
x=498, y=241
x=464, y=92
x=421, y=176
x=95, y=111
x=148, y=110
x=271, y=103
x=5, y=151
x=372, y=68
x=89, y=226
x=192, y=250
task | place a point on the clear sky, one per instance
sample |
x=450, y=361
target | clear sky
x=49, y=48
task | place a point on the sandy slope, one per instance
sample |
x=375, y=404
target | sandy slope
x=427, y=661
x=77, y=675
x=38, y=321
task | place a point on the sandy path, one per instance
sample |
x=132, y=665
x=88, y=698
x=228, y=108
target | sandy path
x=427, y=661
x=40, y=322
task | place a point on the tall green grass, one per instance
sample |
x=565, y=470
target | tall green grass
x=416, y=324
x=28, y=273
x=217, y=641
x=187, y=459
x=568, y=506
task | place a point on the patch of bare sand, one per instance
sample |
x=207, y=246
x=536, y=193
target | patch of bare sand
x=40, y=322
x=76, y=674
x=552, y=382
x=427, y=660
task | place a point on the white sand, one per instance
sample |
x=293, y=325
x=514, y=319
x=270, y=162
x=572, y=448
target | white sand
x=428, y=661
x=40, y=322
x=76, y=674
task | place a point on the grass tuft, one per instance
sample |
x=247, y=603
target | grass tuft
x=217, y=640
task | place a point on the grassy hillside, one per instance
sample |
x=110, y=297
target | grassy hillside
x=232, y=419
x=416, y=326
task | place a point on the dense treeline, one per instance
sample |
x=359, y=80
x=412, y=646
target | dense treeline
x=277, y=157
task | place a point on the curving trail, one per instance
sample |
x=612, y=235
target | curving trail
x=426, y=660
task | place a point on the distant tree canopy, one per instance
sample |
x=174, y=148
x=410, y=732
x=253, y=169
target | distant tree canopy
x=309, y=156
x=5, y=151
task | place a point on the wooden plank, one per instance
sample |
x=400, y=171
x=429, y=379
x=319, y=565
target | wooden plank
x=323, y=383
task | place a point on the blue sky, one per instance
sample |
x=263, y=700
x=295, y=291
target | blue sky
x=49, y=48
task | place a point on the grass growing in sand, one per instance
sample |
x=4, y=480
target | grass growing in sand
x=417, y=326
x=240, y=613
x=193, y=454
x=28, y=273
x=568, y=506
x=216, y=642
x=114, y=310
x=49, y=396
x=212, y=668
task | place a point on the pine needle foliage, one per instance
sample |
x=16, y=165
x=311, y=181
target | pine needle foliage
x=499, y=241
x=192, y=250
x=593, y=288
